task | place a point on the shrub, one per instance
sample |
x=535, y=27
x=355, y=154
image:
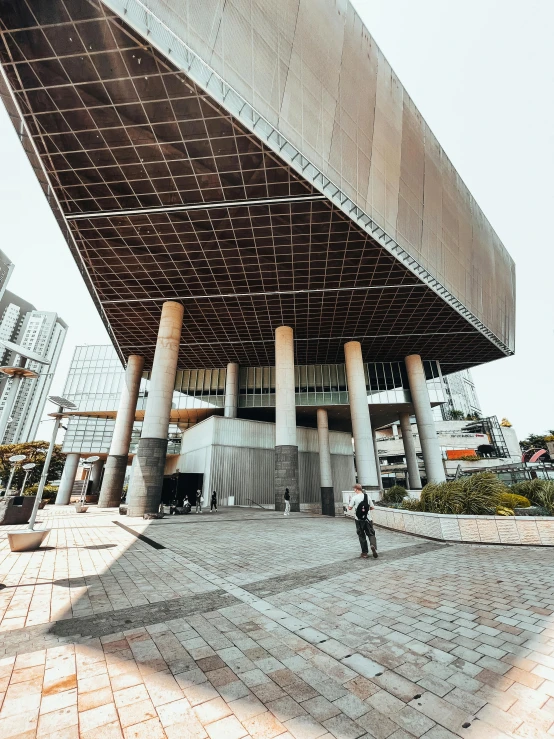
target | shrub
x=545, y=496
x=529, y=489
x=511, y=500
x=396, y=494
x=503, y=511
x=410, y=504
x=478, y=494
x=440, y=497
x=49, y=492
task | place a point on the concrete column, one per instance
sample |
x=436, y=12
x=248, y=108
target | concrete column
x=231, y=390
x=116, y=464
x=377, y=462
x=359, y=414
x=286, y=449
x=68, y=478
x=428, y=439
x=145, y=487
x=325, y=469
x=414, y=479
x=96, y=476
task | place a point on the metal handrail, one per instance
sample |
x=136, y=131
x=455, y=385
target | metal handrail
x=255, y=503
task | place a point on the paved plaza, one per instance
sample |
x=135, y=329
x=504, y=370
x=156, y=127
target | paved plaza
x=248, y=624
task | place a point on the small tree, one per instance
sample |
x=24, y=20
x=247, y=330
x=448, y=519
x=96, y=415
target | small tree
x=537, y=441
x=456, y=415
x=34, y=451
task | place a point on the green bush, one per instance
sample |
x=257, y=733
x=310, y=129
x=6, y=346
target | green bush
x=529, y=489
x=544, y=497
x=539, y=492
x=478, y=494
x=440, y=497
x=512, y=500
x=396, y=494
x=49, y=492
x=410, y=504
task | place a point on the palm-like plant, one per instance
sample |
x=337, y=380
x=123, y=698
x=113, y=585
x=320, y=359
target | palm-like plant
x=477, y=494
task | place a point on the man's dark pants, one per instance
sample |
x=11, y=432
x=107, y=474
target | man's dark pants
x=365, y=528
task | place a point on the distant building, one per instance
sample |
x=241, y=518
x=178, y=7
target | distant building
x=6, y=269
x=41, y=332
x=461, y=397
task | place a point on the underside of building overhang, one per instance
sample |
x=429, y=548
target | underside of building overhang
x=163, y=194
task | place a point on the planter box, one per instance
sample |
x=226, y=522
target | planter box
x=530, y=530
x=16, y=509
x=27, y=541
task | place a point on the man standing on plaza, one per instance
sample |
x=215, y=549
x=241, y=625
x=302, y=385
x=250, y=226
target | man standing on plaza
x=199, y=501
x=363, y=505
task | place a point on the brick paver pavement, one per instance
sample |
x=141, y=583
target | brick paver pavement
x=247, y=624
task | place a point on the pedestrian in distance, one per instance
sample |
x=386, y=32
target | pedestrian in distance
x=363, y=505
x=213, y=504
x=287, y=502
x=199, y=501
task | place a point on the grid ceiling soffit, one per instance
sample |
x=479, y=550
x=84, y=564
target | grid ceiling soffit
x=141, y=18
x=235, y=325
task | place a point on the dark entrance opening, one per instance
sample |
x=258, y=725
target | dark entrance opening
x=182, y=484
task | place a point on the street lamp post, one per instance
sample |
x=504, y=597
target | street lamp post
x=27, y=468
x=17, y=373
x=29, y=540
x=14, y=460
x=89, y=461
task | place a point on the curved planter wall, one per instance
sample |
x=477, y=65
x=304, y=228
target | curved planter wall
x=536, y=531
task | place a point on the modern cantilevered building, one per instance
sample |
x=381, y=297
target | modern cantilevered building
x=247, y=187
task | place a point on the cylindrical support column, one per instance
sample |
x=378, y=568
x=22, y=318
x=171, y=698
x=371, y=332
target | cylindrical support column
x=96, y=476
x=116, y=464
x=286, y=449
x=325, y=469
x=428, y=439
x=414, y=479
x=359, y=414
x=377, y=461
x=145, y=487
x=68, y=478
x=231, y=390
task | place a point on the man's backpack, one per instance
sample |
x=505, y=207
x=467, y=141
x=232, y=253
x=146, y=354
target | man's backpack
x=362, y=508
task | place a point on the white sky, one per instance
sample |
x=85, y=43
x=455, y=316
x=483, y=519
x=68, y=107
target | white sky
x=482, y=74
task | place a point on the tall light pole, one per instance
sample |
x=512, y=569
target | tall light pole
x=61, y=403
x=27, y=468
x=89, y=461
x=14, y=460
x=17, y=372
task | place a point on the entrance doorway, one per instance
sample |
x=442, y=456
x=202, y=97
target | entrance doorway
x=181, y=485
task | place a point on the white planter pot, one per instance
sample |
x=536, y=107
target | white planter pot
x=27, y=541
x=80, y=508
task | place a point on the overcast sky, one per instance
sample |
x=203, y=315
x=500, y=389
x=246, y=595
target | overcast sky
x=482, y=73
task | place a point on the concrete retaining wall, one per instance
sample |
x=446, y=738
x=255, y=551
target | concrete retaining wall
x=538, y=531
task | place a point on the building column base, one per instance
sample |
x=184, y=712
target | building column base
x=327, y=502
x=145, y=486
x=286, y=476
x=112, y=483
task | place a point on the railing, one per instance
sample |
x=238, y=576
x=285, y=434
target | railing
x=249, y=500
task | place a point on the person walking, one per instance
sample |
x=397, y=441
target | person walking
x=287, y=502
x=363, y=505
x=213, y=503
x=199, y=501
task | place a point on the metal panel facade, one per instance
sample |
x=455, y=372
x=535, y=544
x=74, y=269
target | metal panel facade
x=314, y=72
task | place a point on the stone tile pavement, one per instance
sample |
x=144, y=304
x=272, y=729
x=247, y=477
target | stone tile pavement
x=250, y=625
